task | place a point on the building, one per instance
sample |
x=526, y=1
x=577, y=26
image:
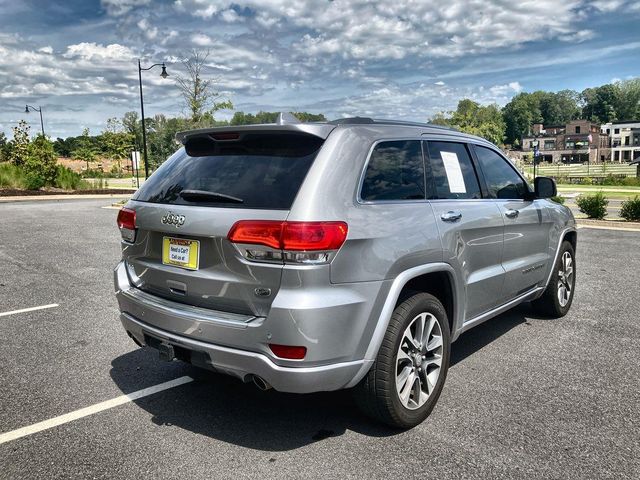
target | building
x=624, y=140
x=579, y=141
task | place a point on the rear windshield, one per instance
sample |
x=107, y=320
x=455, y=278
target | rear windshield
x=258, y=171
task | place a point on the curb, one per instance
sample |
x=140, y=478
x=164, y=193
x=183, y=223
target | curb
x=32, y=198
x=608, y=225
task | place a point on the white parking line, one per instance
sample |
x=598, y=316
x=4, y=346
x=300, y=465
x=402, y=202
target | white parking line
x=30, y=309
x=84, y=412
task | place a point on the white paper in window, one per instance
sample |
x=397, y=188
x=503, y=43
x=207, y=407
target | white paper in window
x=454, y=173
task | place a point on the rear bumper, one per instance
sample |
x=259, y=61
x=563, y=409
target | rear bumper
x=334, y=327
x=243, y=364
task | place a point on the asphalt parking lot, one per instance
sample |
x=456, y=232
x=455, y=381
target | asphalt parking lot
x=526, y=397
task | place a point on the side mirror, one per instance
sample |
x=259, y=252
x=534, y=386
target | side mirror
x=545, y=187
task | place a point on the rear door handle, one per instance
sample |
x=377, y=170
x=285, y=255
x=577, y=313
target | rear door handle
x=451, y=216
x=511, y=213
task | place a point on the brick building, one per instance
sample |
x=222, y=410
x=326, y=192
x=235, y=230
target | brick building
x=579, y=141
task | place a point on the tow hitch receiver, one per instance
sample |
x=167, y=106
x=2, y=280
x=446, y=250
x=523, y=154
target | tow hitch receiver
x=166, y=351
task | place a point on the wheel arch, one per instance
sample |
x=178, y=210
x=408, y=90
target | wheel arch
x=405, y=282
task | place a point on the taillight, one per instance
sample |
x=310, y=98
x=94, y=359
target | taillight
x=297, y=242
x=288, y=351
x=256, y=232
x=127, y=224
x=305, y=236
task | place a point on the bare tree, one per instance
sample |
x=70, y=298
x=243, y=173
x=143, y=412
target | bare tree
x=198, y=92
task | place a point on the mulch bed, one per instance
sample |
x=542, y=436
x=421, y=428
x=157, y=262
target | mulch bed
x=12, y=192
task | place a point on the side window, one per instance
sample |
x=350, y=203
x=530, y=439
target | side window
x=451, y=171
x=502, y=180
x=395, y=172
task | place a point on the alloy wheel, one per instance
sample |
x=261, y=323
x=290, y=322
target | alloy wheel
x=419, y=360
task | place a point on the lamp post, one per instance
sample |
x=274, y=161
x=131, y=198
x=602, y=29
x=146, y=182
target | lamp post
x=536, y=153
x=26, y=110
x=164, y=74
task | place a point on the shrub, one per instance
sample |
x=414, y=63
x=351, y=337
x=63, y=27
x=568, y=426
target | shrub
x=594, y=206
x=34, y=180
x=630, y=210
x=586, y=181
x=558, y=199
x=11, y=176
x=67, y=179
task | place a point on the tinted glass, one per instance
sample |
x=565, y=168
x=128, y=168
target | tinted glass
x=263, y=170
x=395, y=172
x=502, y=180
x=451, y=171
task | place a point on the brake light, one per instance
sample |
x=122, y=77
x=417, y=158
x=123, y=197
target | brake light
x=289, y=352
x=299, y=242
x=305, y=236
x=127, y=224
x=257, y=232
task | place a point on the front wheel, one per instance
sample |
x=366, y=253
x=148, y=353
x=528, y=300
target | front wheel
x=558, y=296
x=406, y=379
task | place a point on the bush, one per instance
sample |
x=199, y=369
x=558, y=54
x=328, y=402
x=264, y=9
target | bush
x=586, y=181
x=594, y=206
x=630, y=210
x=558, y=199
x=34, y=181
x=11, y=176
x=69, y=180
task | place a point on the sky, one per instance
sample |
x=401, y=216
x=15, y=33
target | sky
x=399, y=59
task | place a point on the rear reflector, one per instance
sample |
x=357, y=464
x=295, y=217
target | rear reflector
x=127, y=224
x=290, y=236
x=288, y=351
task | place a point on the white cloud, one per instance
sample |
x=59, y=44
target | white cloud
x=149, y=31
x=98, y=52
x=121, y=7
x=48, y=49
x=395, y=30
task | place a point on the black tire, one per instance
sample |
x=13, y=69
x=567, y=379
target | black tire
x=549, y=302
x=376, y=394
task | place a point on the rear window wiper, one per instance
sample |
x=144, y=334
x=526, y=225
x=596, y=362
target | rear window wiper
x=204, y=196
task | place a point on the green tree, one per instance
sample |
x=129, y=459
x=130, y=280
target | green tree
x=5, y=148
x=241, y=118
x=85, y=149
x=198, y=92
x=519, y=114
x=40, y=165
x=161, y=138
x=115, y=142
x=471, y=117
x=601, y=104
x=628, y=99
x=132, y=125
x=19, y=150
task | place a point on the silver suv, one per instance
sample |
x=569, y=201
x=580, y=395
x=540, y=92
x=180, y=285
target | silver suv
x=346, y=254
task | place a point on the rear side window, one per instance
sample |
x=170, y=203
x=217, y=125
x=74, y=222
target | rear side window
x=395, y=172
x=257, y=171
x=451, y=171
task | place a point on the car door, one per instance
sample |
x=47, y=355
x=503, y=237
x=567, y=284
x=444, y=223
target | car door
x=471, y=228
x=525, y=255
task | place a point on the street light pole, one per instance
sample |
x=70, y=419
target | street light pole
x=26, y=110
x=164, y=74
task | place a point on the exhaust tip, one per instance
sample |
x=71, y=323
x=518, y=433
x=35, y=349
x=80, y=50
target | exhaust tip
x=261, y=383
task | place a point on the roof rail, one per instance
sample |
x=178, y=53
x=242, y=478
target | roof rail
x=378, y=121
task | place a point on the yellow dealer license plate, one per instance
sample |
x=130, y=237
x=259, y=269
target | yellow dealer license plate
x=180, y=252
